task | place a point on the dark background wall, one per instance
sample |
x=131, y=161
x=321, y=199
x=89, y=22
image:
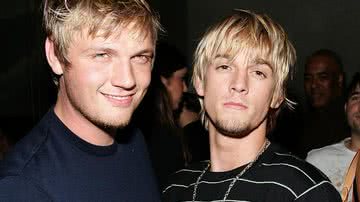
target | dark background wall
x=25, y=82
x=311, y=25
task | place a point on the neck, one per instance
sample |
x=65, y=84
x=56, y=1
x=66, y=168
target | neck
x=187, y=117
x=354, y=144
x=80, y=125
x=227, y=153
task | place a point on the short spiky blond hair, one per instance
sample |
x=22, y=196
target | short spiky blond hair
x=250, y=32
x=65, y=18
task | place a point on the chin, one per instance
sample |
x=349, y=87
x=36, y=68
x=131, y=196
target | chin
x=111, y=120
x=112, y=124
x=232, y=129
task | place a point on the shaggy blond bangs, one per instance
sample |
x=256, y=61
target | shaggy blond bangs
x=256, y=36
x=63, y=20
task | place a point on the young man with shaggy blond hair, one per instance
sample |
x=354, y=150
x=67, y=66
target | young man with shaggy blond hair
x=101, y=54
x=241, y=68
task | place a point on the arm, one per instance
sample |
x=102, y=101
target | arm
x=15, y=188
x=357, y=180
x=324, y=192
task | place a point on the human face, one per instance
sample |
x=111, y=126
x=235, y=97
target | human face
x=176, y=86
x=352, y=109
x=238, y=94
x=322, y=81
x=107, y=77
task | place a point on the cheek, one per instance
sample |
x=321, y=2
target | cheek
x=179, y=86
x=174, y=86
x=327, y=84
x=88, y=75
x=264, y=94
x=143, y=78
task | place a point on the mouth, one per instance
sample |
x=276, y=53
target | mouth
x=119, y=100
x=235, y=105
x=357, y=116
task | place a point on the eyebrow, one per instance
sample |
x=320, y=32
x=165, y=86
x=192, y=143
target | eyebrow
x=316, y=73
x=145, y=51
x=111, y=50
x=261, y=61
x=255, y=61
x=222, y=56
x=355, y=92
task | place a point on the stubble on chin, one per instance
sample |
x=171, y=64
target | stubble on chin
x=110, y=125
x=231, y=128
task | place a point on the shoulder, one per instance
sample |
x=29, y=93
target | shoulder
x=18, y=188
x=296, y=175
x=186, y=176
x=26, y=149
x=182, y=181
x=294, y=167
x=327, y=151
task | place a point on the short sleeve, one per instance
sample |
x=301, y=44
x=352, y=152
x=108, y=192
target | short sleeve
x=324, y=192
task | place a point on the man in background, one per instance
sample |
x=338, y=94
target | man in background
x=334, y=160
x=323, y=118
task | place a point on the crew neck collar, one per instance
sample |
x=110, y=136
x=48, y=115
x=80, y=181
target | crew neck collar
x=78, y=142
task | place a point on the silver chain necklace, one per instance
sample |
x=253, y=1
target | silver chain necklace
x=264, y=147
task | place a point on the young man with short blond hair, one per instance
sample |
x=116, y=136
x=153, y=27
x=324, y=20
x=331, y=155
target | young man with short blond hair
x=241, y=69
x=101, y=54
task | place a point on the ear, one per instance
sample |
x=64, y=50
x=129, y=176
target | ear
x=345, y=107
x=199, y=86
x=341, y=80
x=276, y=101
x=52, y=58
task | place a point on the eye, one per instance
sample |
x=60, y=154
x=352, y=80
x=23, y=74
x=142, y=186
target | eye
x=324, y=77
x=307, y=78
x=355, y=98
x=142, y=59
x=259, y=74
x=185, y=77
x=101, y=55
x=223, y=67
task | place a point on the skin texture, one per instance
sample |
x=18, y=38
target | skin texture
x=352, y=109
x=237, y=96
x=176, y=86
x=104, y=83
x=322, y=81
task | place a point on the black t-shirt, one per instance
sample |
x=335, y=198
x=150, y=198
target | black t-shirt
x=276, y=176
x=53, y=164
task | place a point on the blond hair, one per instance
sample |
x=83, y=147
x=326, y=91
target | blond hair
x=65, y=18
x=249, y=32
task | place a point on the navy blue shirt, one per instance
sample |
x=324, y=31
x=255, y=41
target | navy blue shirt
x=53, y=164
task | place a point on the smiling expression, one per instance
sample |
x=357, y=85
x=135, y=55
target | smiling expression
x=107, y=77
x=322, y=81
x=352, y=109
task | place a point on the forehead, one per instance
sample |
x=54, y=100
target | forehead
x=128, y=33
x=321, y=64
x=356, y=91
x=244, y=55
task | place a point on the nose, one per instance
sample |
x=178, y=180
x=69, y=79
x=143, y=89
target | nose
x=185, y=88
x=314, y=82
x=122, y=75
x=239, y=82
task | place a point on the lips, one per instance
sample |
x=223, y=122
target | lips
x=235, y=105
x=119, y=100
